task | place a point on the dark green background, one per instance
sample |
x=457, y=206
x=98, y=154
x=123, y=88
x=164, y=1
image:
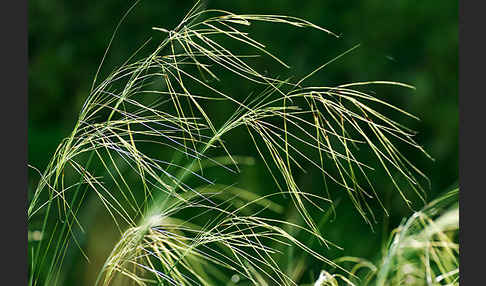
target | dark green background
x=414, y=42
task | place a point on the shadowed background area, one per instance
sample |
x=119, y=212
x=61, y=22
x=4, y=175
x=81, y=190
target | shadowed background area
x=415, y=42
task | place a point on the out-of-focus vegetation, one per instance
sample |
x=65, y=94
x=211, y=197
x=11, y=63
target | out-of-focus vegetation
x=422, y=250
x=414, y=42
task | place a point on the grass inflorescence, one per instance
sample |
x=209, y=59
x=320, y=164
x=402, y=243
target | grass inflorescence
x=144, y=141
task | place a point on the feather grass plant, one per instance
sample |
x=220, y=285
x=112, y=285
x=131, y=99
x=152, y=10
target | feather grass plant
x=145, y=140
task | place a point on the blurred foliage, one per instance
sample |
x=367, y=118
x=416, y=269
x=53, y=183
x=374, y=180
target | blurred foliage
x=414, y=42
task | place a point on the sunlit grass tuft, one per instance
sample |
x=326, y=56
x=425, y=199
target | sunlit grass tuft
x=423, y=250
